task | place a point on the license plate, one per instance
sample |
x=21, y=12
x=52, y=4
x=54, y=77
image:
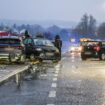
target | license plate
x=88, y=53
x=49, y=54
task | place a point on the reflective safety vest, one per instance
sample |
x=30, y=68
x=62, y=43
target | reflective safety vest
x=28, y=41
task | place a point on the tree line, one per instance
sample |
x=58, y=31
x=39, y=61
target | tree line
x=35, y=29
x=88, y=27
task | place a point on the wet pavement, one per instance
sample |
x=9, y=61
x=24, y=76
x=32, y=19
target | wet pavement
x=71, y=82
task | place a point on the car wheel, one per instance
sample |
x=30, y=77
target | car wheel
x=11, y=58
x=102, y=57
x=39, y=59
x=32, y=57
x=83, y=58
x=22, y=58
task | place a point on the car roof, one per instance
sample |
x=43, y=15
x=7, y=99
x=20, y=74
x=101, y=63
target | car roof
x=93, y=41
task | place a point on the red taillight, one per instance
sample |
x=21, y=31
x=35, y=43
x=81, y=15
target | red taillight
x=97, y=48
x=19, y=47
x=3, y=46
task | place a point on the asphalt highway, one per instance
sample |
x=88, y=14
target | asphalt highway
x=69, y=82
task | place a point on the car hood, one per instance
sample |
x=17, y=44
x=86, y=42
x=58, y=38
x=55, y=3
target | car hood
x=48, y=48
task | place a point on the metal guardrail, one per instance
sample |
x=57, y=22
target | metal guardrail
x=7, y=74
x=16, y=71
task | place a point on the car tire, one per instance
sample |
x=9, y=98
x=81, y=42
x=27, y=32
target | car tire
x=11, y=58
x=102, y=56
x=83, y=58
x=40, y=60
x=32, y=57
x=22, y=58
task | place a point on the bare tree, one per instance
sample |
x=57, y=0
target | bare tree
x=92, y=25
x=86, y=26
x=101, y=30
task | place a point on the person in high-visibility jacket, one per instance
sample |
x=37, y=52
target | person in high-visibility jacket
x=28, y=42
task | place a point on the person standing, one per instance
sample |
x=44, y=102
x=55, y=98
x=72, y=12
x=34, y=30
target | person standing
x=58, y=43
x=28, y=42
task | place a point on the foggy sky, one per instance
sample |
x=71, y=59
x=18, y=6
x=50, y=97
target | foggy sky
x=66, y=10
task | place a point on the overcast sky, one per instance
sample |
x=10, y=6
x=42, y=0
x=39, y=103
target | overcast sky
x=66, y=10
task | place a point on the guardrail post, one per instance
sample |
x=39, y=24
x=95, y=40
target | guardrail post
x=35, y=73
x=18, y=80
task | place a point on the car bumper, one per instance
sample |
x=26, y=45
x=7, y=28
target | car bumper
x=94, y=54
x=50, y=57
x=4, y=56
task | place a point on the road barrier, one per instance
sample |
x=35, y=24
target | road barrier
x=16, y=70
x=34, y=67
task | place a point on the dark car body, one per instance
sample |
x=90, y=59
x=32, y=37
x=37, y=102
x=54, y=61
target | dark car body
x=11, y=48
x=43, y=49
x=93, y=49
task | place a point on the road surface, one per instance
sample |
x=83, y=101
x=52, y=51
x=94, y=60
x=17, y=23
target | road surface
x=70, y=82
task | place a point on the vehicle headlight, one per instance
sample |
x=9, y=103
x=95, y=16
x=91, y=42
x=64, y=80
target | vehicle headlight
x=38, y=49
x=80, y=48
x=72, y=48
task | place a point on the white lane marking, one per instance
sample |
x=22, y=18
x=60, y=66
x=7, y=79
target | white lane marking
x=54, y=85
x=57, y=66
x=62, y=66
x=57, y=69
x=56, y=72
x=43, y=75
x=79, y=80
x=72, y=57
x=72, y=60
x=55, y=75
x=50, y=104
x=52, y=94
x=54, y=79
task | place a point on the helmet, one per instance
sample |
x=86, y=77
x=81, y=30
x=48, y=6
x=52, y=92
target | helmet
x=57, y=37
